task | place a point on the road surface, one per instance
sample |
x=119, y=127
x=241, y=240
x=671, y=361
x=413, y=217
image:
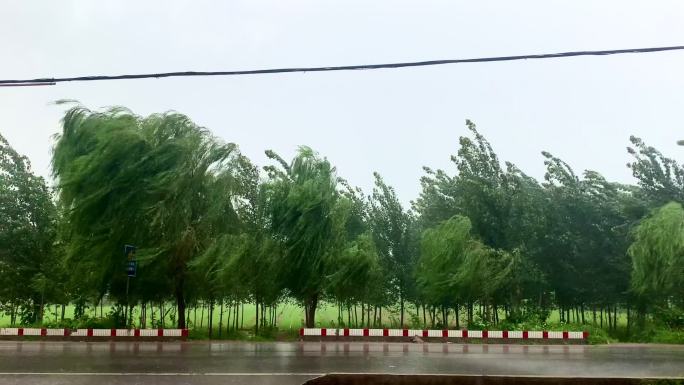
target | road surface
x=198, y=362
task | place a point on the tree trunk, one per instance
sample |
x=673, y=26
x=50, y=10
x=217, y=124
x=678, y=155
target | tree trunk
x=180, y=302
x=229, y=312
x=401, y=310
x=310, y=308
x=363, y=313
x=220, y=328
x=256, y=321
x=458, y=325
x=424, y=317
x=380, y=316
x=432, y=317
x=165, y=312
x=356, y=317
x=63, y=310
x=211, y=318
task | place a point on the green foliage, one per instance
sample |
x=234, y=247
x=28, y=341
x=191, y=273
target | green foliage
x=28, y=229
x=658, y=255
x=661, y=179
x=453, y=266
x=158, y=182
x=303, y=218
x=396, y=238
x=213, y=230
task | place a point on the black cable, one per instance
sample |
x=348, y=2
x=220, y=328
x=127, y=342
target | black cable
x=339, y=68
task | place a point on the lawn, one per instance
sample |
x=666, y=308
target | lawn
x=289, y=316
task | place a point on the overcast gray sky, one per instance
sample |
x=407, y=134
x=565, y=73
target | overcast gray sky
x=390, y=121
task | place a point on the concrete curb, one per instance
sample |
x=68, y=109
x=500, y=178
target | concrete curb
x=94, y=334
x=463, y=335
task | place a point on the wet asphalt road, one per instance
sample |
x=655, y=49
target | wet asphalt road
x=292, y=363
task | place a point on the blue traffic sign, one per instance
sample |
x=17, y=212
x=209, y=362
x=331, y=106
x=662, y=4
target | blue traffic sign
x=131, y=268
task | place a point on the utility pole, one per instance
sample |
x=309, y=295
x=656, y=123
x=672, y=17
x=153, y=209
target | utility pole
x=131, y=270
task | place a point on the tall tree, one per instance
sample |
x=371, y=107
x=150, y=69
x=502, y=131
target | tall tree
x=658, y=256
x=394, y=231
x=304, y=207
x=661, y=178
x=158, y=182
x=28, y=225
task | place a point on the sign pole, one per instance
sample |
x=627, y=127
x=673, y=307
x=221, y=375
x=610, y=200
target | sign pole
x=131, y=270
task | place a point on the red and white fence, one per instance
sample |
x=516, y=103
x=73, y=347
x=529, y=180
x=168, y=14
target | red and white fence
x=499, y=335
x=95, y=333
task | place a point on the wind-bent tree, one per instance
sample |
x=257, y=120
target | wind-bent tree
x=661, y=179
x=303, y=212
x=658, y=257
x=158, y=182
x=501, y=204
x=29, y=269
x=394, y=231
x=588, y=224
x=455, y=268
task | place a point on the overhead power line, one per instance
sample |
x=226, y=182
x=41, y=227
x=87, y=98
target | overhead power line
x=44, y=80
x=27, y=84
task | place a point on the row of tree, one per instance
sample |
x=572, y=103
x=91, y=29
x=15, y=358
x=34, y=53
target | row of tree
x=212, y=227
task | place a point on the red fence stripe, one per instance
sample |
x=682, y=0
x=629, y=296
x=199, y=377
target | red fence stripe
x=112, y=332
x=485, y=334
x=184, y=333
x=525, y=335
x=20, y=331
x=301, y=332
x=425, y=333
x=545, y=335
x=385, y=332
x=566, y=335
x=43, y=332
x=346, y=332
x=464, y=333
x=90, y=333
x=136, y=333
x=324, y=332
x=160, y=332
x=504, y=334
x=585, y=334
x=67, y=332
x=365, y=332
x=404, y=332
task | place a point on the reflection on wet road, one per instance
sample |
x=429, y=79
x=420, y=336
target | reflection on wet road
x=282, y=363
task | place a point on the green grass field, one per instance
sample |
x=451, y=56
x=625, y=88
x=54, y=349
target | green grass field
x=289, y=316
x=290, y=319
